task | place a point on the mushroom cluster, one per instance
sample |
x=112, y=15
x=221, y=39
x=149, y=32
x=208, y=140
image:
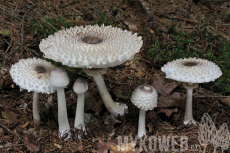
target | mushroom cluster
x=95, y=49
x=191, y=71
x=33, y=74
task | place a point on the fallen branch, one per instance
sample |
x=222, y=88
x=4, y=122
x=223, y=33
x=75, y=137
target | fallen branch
x=10, y=145
x=2, y=125
x=178, y=18
x=25, y=47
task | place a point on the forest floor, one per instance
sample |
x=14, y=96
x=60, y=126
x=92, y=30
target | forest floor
x=19, y=40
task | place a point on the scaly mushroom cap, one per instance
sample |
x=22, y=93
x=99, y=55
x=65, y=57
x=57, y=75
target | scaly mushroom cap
x=59, y=78
x=145, y=97
x=33, y=74
x=91, y=46
x=192, y=70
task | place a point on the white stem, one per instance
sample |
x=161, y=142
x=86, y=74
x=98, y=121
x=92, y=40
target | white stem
x=112, y=107
x=36, y=115
x=141, y=124
x=79, y=118
x=62, y=112
x=188, y=118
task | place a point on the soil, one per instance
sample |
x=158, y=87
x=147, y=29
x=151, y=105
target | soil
x=18, y=132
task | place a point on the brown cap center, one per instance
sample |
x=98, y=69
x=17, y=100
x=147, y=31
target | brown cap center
x=190, y=64
x=92, y=40
x=40, y=69
x=146, y=89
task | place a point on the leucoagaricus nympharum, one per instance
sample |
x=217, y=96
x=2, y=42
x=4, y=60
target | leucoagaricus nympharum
x=95, y=49
x=191, y=71
x=59, y=80
x=80, y=87
x=33, y=75
x=145, y=98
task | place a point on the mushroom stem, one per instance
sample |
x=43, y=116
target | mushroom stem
x=141, y=124
x=188, y=118
x=62, y=113
x=112, y=107
x=79, y=118
x=36, y=115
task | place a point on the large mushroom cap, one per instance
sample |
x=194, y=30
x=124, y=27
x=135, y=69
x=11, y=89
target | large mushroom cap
x=192, y=70
x=91, y=46
x=145, y=97
x=33, y=74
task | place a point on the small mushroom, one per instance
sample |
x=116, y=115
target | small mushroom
x=95, y=49
x=191, y=71
x=80, y=87
x=59, y=80
x=145, y=98
x=34, y=75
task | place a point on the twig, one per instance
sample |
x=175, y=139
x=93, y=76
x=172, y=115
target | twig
x=187, y=20
x=9, y=13
x=2, y=125
x=25, y=47
x=22, y=27
x=11, y=42
x=10, y=145
x=151, y=17
x=49, y=24
x=213, y=96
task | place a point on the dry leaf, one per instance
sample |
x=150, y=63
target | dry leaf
x=110, y=121
x=168, y=111
x=120, y=95
x=91, y=104
x=30, y=143
x=102, y=146
x=131, y=26
x=226, y=101
x=122, y=149
x=225, y=5
x=4, y=32
x=57, y=145
x=76, y=23
x=9, y=116
x=166, y=99
x=25, y=125
x=173, y=100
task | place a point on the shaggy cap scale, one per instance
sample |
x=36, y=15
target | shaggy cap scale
x=192, y=70
x=145, y=97
x=91, y=46
x=33, y=74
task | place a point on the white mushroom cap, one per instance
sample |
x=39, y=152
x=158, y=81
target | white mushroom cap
x=33, y=74
x=80, y=86
x=91, y=46
x=59, y=78
x=145, y=97
x=192, y=70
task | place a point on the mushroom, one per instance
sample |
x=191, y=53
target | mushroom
x=59, y=80
x=191, y=71
x=95, y=49
x=80, y=87
x=145, y=98
x=33, y=74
